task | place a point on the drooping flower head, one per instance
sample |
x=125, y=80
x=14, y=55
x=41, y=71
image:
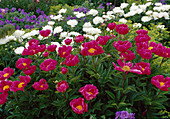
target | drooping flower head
x=68, y=41
x=62, y=86
x=6, y=73
x=48, y=65
x=23, y=63
x=41, y=85
x=71, y=60
x=89, y=91
x=45, y=54
x=78, y=105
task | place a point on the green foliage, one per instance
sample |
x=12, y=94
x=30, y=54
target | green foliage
x=7, y=29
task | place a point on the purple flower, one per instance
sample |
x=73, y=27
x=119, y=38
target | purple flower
x=18, y=27
x=38, y=10
x=27, y=26
x=117, y=114
x=16, y=18
x=19, y=9
x=131, y=115
x=13, y=9
x=7, y=21
x=2, y=23
x=108, y=4
x=42, y=12
x=124, y=114
x=1, y=16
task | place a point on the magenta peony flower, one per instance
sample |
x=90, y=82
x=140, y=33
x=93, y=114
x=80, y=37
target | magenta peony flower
x=45, y=54
x=51, y=48
x=6, y=73
x=79, y=39
x=122, y=46
x=64, y=51
x=48, y=65
x=62, y=86
x=23, y=63
x=143, y=67
x=89, y=91
x=29, y=70
x=141, y=31
x=63, y=70
x=111, y=26
x=41, y=85
x=45, y=33
x=142, y=38
x=128, y=55
x=102, y=40
x=68, y=41
x=3, y=98
x=33, y=42
x=78, y=105
x=122, y=29
x=145, y=53
x=5, y=86
x=71, y=60
x=42, y=48
x=161, y=83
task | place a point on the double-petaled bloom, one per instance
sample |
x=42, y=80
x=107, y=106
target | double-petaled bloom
x=126, y=67
x=111, y=26
x=45, y=33
x=64, y=51
x=79, y=39
x=6, y=73
x=143, y=67
x=71, y=60
x=122, y=46
x=51, y=48
x=62, y=86
x=29, y=70
x=141, y=31
x=48, y=65
x=160, y=82
x=128, y=55
x=102, y=40
x=78, y=105
x=122, y=29
x=23, y=63
x=89, y=91
x=68, y=41
x=3, y=98
x=5, y=86
x=63, y=70
x=91, y=48
x=142, y=38
x=41, y=85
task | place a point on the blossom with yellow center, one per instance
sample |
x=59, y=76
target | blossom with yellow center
x=150, y=48
x=6, y=74
x=20, y=85
x=6, y=87
x=64, y=53
x=79, y=107
x=41, y=86
x=24, y=64
x=91, y=50
x=126, y=68
x=90, y=93
x=143, y=69
x=161, y=84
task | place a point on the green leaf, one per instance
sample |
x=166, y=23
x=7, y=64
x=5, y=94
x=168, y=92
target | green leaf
x=110, y=94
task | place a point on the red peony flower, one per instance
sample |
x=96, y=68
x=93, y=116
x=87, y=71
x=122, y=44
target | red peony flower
x=62, y=86
x=29, y=70
x=71, y=60
x=143, y=67
x=51, y=48
x=64, y=51
x=42, y=48
x=6, y=73
x=142, y=38
x=111, y=26
x=48, y=65
x=79, y=39
x=102, y=40
x=33, y=42
x=122, y=29
x=68, y=41
x=5, y=86
x=145, y=53
x=141, y=31
x=89, y=91
x=126, y=67
x=63, y=70
x=122, y=46
x=41, y=85
x=23, y=63
x=45, y=33
x=160, y=82
x=78, y=105
x=45, y=54
x=128, y=55
x=3, y=98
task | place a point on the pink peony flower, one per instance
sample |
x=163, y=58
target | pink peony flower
x=6, y=73
x=71, y=60
x=3, y=98
x=161, y=83
x=48, y=65
x=41, y=85
x=23, y=63
x=33, y=42
x=62, y=86
x=143, y=67
x=111, y=26
x=122, y=46
x=89, y=91
x=128, y=55
x=64, y=51
x=141, y=31
x=122, y=29
x=68, y=41
x=145, y=53
x=126, y=67
x=5, y=86
x=79, y=39
x=29, y=70
x=102, y=40
x=63, y=70
x=51, y=48
x=45, y=54
x=45, y=33
x=78, y=105
x=142, y=38
x=42, y=48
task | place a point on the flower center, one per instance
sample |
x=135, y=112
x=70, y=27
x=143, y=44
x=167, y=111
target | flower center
x=161, y=84
x=6, y=74
x=91, y=50
x=150, y=48
x=79, y=107
x=64, y=53
x=6, y=87
x=41, y=86
x=126, y=68
x=90, y=93
x=20, y=85
x=24, y=64
x=143, y=69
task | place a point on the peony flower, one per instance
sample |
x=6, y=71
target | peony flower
x=123, y=20
x=72, y=23
x=141, y=31
x=160, y=82
x=67, y=41
x=78, y=105
x=64, y=51
x=3, y=98
x=41, y=85
x=51, y=48
x=92, y=12
x=143, y=67
x=29, y=70
x=23, y=63
x=62, y=11
x=5, y=86
x=122, y=46
x=89, y=91
x=146, y=18
x=102, y=40
x=19, y=50
x=6, y=73
x=45, y=54
x=145, y=53
x=62, y=86
x=63, y=70
x=45, y=33
x=111, y=26
x=98, y=20
x=57, y=30
x=122, y=29
x=71, y=60
x=79, y=39
x=126, y=67
x=137, y=25
x=48, y=65
x=142, y=38
x=128, y=55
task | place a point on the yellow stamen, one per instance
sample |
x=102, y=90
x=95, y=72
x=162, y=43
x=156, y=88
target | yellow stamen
x=41, y=86
x=6, y=87
x=143, y=69
x=150, y=48
x=64, y=53
x=126, y=68
x=6, y=74
x=90, y=93
x=33, y=50
x=161, y=84
x=20, y=85
x=79, y=107
x=91, y=50
x=24, y=64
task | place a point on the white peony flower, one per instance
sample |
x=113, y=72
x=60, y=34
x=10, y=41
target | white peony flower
x=149, y=12
x=123, y=5
x=139, y=11
x=57, y=29
x=98, y=20
x=63, y=35
x=73, y=33
x=92, y=31
x=87, y=25
x=157, y=15
x=118, y=11
x=51, y=23
x=18, y=33
x=19, y=50
x=62, y=11
x=146, y=18
x=58, y=17
x=143, y=7
x=89, y=36
x=79, y=15
x=158, y=4
x=137, y=25
x=92, y=12
x=131, y=13
x=123, y=20
x=165, y=15
x=161, y=27
x=166, y=7
x=72, y=23
x=148, y=4
x=110, y=12
x=134, y=8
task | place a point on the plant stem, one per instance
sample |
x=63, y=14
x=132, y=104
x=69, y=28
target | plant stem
x=26, y=92
x=64, y=96
x=157, y=95
x=123, y=79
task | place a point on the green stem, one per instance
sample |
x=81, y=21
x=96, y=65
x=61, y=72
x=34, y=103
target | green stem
x=123, y=79
x=26, y=92
x=64, y=96
x=157, y=95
